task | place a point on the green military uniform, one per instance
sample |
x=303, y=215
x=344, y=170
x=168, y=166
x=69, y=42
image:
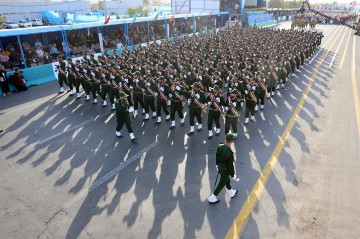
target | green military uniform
x=226, y=169
x=215, y=102
x=122, y=115
x=71, y=76
x=251, y=95
x=62, y=74
x=162, y=98
x=195, y=110
x=150, y=95
x=177, y=95
x=233, y=105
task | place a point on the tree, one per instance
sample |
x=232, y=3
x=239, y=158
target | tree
x=140, y=11
x=2, y=21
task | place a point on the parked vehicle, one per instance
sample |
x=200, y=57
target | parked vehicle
x=24, y=23
x=37, y=22
x=10, y=24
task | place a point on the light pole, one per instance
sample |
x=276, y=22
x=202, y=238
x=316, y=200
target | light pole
x=105, y=12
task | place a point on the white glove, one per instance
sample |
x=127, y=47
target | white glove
x=230, y=89
x=131, y=109
x=209, y=103
x=161, y=88
x=189, y=101
x=156, y=94
x=217, y=168
x=218, y=99
x=197, y=96
x=226, y=108
x=204, y=106
x=264, y=80
x=254, y=88
x=236, y=84
x=177, y=87
x=148, y=84
x=200, y=77
x=126, y=80
x=131, y=87
x=171, y=76
x=234, y=178
x=170, y=95
x=246, y=91
x=120, y=84
x=234, y=104
x=143, y=90
x=137, y=81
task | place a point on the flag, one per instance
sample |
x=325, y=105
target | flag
x=134, y=20
x=171, y=19
x=107, y=20
x=156, y=17
x=210, y=13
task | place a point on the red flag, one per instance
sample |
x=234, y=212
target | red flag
x=107, y=20
x=171, y=19
x=210, y=13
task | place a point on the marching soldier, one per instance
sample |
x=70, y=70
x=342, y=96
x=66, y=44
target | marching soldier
x=138, y=93
x=162, y=98
x=115, y=84
x=150, y=95
x=263, y=84
x=61, y=74
x=87, y=80
x=71, y=76
x=215, y=101
x=273, y=78
x=95, y=83
x=232, y=117
x=78, y=78
x=197, y=99
x=251, y=94
x=122, y=116
x=177, y=95
x=225, y=167
x=127, y=82
x=217, y=81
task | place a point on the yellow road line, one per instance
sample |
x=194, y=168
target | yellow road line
x=355, y=88
x=343, y=58
x=240, y=221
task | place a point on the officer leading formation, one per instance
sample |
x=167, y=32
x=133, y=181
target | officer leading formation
x=220, y=73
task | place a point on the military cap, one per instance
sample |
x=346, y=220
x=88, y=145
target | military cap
x=161, y=78
x=230, y=137
x=122, y=94
x=85, y=62
x=137, y=73
x=69, y=59
x=216, y=87
x=59, y=57
x=177, y=79
x=196, y=84
x=234, y=92
x=236, y=75
x=216, y=73
x=148, y=75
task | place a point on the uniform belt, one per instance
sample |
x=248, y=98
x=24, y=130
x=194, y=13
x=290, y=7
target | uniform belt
x=176, y=100
x=231, y=116
x=216, y=110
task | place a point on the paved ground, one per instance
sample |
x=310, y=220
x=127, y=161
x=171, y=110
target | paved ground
x=64, y=174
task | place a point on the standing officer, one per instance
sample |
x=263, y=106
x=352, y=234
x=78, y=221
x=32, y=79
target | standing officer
x=232, y=117
x=122, y=116
x=215, y=101
x=197, y=99
x=251, y=94
x=263, y=84
x=225, y=167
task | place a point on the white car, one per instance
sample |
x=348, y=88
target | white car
x=37, y=22
x=24, y=23
x=10, y=24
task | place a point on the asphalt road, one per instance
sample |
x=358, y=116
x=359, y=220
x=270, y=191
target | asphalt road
x=64, y=174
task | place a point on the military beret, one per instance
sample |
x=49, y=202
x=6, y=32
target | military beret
x=69, y=59
x=137, y=73
x=216, y=73
x=196, y=84
x=234, y=92
x=216, y=87
x=148, y=75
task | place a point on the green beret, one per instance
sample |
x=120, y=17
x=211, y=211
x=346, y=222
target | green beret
x=69, y=59
x=161, y=78
x=196, y=84
x=216, y=87
x=216, y=73
x=235, y=92
x=137, y=73
x=236, y=75
x=148, y=75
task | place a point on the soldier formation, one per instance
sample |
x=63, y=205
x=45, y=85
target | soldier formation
x=218, y=72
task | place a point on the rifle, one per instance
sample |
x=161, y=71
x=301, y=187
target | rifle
x=253, y=97
x=196, y=101
x=233, y=110
x=217, y=107
x=162, y=94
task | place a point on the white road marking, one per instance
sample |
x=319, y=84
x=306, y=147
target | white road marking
x=109, y=175
x=71, y=128
x=337, y=49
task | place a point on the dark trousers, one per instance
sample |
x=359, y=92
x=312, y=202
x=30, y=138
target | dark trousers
x=86, y=86
x=77, y=84
x=230, y=122
x=176, y=107
x=71, y=82
x=160, y=103
x=224, y=181
x=213, y=116
x=114, y=94
x=95, y=90
x=195, y=112
x=122, y=119
x=271, y=89
x=106, y=91
x=138, y=99
x=261, y=98
x=5, y=87
x=250, y=108
x=149, y=102
x=62, y=80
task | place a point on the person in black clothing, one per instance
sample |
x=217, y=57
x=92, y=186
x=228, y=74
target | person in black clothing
x=225, y=167
x=4, y=82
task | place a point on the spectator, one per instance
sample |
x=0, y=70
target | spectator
x=19, y=81
x=46, y=58
x=25, y=46
x=39, y=52
x=38, y=43
x=119, y=44
x=30, y=58
x=54, y=51
x=4, y=82
x=57, y=41
x=4, y=60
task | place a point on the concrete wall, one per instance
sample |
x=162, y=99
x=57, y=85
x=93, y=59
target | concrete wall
x=251, y=2
x=15, y=11
x=120, y=6
x=194, y=6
